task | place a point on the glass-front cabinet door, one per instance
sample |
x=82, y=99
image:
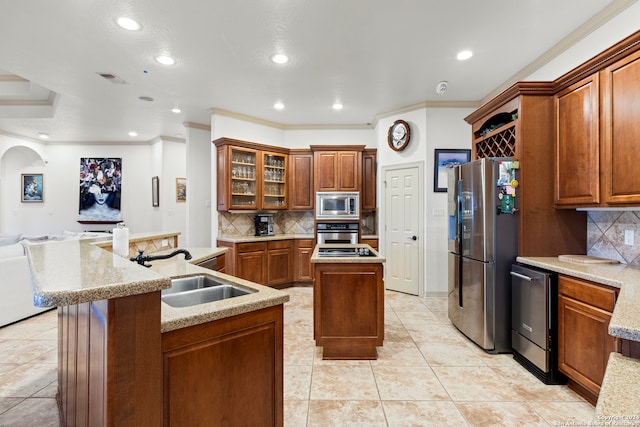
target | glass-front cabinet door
x=243, y=171
x=274, y=185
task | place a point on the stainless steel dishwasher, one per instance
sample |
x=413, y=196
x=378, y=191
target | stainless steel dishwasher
x=534, y=314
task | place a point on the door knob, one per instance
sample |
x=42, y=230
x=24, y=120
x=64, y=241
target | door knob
x=413, y=238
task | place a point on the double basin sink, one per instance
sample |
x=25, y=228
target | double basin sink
x=200, y=289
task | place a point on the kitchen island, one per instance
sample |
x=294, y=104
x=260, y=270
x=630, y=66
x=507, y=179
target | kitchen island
x=348, y=300
x=619, y=394
x=128, y=359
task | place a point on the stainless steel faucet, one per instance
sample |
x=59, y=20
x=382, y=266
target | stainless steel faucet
x=142, y=259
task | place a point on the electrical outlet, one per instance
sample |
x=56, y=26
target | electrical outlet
x=628, y=237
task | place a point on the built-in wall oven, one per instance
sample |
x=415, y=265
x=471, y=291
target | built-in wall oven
x=337, y=232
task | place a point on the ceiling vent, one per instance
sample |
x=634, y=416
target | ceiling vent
x=112, y=78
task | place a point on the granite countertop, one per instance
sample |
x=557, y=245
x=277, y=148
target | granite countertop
x=248, y=239
x=74, y=272
x=619, y=392
x=315, y=259
x=625, y=321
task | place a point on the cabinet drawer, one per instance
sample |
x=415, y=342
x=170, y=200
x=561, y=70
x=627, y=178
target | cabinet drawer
x=599, y=296
x=305, y=243
x=280, y=244
x=251, y=247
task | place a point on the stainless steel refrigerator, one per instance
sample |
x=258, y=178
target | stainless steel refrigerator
x=483, y=243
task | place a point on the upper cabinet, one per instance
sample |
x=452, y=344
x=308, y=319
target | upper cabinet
x=337, y=168
x=597, y=130
x=369, y=168
x=301, y=179
x=250, y=176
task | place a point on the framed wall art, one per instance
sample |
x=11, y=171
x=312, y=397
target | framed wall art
x=32, y=187
x=100, y=190
x=446, y=159
x=155, y=191
x=181, y=189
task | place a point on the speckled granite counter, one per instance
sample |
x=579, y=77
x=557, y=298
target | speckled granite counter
x=74, y=272
x=247, y=239
x=625, y=322
x=620, y=391
x=377, y=258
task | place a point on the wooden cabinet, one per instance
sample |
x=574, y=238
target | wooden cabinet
x=302, y=270
x=348, y=309
x=227, y=372
x=301, y=193
x=369, y=180
x=584, y=343
x=519, y=124
x=577, y=166
x=620, y=86
x=268, y=263
x=371, y=242
x=597, y=130
x=250, y=176
x=337, y=170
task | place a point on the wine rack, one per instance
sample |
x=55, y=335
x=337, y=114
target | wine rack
x=499, y=143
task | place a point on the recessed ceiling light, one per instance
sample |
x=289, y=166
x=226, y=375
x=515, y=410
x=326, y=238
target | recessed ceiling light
x=278, y=106
x=43, y=135
x=279, y=58
x=128, y=24
x=464, y=55
x=337, y=106
x=165, y=60
x=176, y=110
x=133, y=133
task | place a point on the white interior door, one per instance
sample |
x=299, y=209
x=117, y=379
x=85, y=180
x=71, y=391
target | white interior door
x=403, y=228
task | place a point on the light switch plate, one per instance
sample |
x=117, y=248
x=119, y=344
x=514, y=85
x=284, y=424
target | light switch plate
x=628, y=237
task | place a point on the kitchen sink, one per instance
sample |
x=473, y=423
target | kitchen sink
x=194, y=290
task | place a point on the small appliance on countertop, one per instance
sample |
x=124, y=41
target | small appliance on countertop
x=264, y=224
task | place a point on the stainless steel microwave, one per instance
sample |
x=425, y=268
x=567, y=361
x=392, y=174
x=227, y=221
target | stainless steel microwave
x=338, y=205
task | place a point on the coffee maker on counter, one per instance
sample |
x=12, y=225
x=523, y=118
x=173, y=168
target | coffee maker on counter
x=264, y=224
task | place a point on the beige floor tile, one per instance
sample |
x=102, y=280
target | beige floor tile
x=436, y=304
x=25, y=330
x=408, y=383
x=48, y=391
x=449, y=354
x=341, y=413
x=564, y=413
x=27, y=379
x=399, y=353
x=436, y=332
x=299, y=352
x=474, y=384
x=530, y=388
x=7, y=403
x=297, y=382
x=396, y=332
x=423, y=316
x=295, y=413
x=423, y=414
x=40, y=412
x=504, y=414
x=318, y=361
x=25, y=351
x=354, y=382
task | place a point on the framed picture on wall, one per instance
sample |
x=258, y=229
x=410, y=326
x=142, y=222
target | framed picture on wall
x=32, y=188
x=155, y=191
x=100, y=188
x=446, y=159
x=181, y=189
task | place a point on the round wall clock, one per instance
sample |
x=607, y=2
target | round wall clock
x=399, y=135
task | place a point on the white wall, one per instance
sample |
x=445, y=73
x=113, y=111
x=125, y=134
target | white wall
x=199, y=190
x=303, y=138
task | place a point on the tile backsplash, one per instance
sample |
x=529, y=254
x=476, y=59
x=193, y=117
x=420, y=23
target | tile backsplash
x=606, y=235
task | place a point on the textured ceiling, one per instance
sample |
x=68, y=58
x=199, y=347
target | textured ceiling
x=374, y=56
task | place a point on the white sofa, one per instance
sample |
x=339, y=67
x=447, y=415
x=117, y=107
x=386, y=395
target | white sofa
x=15, y=276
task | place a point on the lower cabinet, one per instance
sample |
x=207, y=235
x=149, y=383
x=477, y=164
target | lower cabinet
x=268, y=263
x=371, y=242
x=302, y=271
x=584, y=343
x=216, y=263
x=228, y=372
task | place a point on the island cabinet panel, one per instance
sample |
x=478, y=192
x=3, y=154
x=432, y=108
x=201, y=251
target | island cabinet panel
x=348, y=307
x=301, y=179
x=225, y=373
x=109, y=362
x=584, y=343
x=577, y=168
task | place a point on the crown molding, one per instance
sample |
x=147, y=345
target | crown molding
x=194, y=125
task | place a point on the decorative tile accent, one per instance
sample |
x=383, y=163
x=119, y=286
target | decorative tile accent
x=605, y=235
x=285, y=222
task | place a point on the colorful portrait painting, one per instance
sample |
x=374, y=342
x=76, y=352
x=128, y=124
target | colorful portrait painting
x=100, y=189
